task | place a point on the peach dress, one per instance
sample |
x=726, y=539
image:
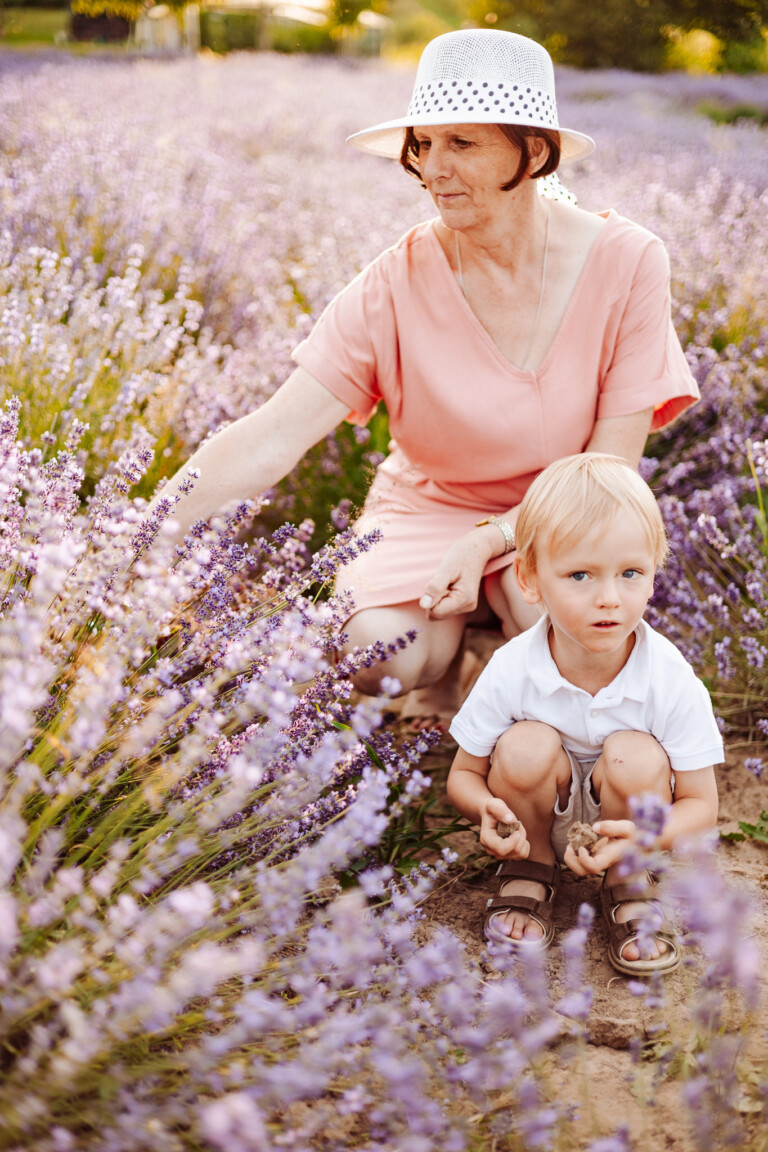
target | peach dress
x=470, y=430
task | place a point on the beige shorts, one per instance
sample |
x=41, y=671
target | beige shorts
x=582, y=804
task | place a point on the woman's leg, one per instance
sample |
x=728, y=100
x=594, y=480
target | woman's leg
x=504, y=596
x=423, y=662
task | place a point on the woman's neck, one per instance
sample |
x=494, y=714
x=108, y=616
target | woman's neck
x=507, y=242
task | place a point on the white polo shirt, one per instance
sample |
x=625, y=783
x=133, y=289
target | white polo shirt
x=656, y=691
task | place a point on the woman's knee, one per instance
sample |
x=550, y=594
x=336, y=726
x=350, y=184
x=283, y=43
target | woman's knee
x=530, y=754
x=633, y=762
x=404, y=646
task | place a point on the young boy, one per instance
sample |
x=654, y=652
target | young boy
x=583, y=711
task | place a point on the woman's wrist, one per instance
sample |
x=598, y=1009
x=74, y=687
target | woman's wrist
x=505, y=528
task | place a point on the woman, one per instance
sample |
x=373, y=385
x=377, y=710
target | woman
x=509, y=331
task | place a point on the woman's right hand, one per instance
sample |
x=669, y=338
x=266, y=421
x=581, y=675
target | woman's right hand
x=455, y=586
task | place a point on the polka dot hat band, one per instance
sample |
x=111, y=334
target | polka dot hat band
x=478, y=76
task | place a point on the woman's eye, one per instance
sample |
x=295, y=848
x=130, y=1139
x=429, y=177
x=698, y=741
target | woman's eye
x=421, y=146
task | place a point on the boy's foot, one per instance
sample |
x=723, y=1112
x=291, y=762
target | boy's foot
x=523, y=911
x=625, y=903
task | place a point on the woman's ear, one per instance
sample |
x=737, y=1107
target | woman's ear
x=538, y=150
x=527, y=582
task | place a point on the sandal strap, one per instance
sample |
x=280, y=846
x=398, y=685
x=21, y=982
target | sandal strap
x=542, y=909
x=529, y=870
x=630, y=928
x=628, y=893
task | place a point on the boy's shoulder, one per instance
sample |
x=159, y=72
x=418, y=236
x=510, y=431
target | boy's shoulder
x=670, y=675
x=661, y=647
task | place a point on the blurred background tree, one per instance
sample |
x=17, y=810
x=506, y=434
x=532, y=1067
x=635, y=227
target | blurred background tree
x=640, y=35
x=127, y=9
x=632, y=34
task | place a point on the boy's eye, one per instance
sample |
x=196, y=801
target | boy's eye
x=630, y=573
x=578, y=576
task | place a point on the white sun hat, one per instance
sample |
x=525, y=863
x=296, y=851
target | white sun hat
x=478, y=76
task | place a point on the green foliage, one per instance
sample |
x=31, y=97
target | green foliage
x=128, y=9
x=758, y=831
x=344, y=13
x=745, y=56
x=300, y=38
x=622, y=34
x=336, y=469
x=630, y=34
x=730, y=113
x=416, y=23
x=229, y=31
x=31, y=25
x=738, y=20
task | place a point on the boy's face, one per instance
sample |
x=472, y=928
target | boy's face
x=595, y=590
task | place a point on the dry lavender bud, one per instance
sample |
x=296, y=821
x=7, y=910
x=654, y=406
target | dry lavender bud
x=582, y=836
x=505, y=830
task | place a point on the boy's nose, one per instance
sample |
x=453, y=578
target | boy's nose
x=607, y=593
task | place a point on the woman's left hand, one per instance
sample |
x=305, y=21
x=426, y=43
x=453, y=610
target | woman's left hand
x=616, y=838
x=455, y=586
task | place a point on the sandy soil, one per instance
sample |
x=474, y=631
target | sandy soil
x=617, y=1016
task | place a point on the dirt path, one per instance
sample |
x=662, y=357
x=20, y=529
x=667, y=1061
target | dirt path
x=617, y=1016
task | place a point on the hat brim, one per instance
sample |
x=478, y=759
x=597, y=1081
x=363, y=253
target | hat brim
x=387, y=139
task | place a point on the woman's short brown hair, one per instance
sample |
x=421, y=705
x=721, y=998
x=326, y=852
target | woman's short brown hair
x=517, y=134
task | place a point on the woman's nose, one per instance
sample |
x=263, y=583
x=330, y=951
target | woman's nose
x=435, y=162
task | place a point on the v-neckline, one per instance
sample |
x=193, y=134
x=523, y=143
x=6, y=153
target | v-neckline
x=534, y=373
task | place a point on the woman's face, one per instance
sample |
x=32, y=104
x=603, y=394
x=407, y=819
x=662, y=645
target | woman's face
x=463, y=167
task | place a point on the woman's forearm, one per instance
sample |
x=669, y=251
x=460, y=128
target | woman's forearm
x=255, y=452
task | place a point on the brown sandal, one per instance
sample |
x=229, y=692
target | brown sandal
x=619, y=935
x=541, y=911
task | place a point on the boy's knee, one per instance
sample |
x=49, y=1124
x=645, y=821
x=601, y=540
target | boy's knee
x=634, y=762
x=530, y=752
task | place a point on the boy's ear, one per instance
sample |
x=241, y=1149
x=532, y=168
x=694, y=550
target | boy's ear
x=527, y=582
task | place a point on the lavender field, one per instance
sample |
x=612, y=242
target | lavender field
x=205, y=939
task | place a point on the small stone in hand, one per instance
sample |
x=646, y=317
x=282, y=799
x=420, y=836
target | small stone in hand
x=505, y=830
x=582, y=836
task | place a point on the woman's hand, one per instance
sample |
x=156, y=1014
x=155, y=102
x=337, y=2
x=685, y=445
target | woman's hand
x=455, y=586
x=617, y=837
x=513, y=847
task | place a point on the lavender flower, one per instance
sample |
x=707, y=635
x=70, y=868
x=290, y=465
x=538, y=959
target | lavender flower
x=184, y=776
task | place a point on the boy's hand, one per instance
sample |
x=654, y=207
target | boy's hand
x=512, y=847
x=616, y=838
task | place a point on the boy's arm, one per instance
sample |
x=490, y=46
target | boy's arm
x=468, y=791
x=693, y=810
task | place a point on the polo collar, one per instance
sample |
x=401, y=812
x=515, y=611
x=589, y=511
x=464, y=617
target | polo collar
x=632, y=683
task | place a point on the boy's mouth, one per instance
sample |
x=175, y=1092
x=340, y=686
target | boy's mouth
x=605, y=624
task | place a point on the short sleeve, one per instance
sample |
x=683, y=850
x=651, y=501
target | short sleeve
x=648, y=367
x=486, y=713
x=690, y=735
x=352, y=346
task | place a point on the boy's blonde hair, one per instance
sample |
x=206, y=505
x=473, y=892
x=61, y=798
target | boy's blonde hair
x=574, y=495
